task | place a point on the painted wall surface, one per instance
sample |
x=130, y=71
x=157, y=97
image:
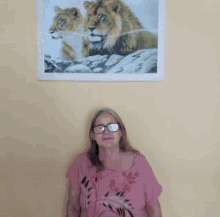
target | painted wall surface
x=174, y=123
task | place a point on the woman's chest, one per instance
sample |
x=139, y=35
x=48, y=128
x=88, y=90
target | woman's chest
x=120, y=165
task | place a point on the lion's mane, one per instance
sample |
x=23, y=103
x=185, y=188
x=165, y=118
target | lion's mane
x=108, y=23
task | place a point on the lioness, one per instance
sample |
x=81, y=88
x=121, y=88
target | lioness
x=108, y=23
x=67, y=23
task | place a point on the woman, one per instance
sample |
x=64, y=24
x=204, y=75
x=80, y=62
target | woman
x=112, y=179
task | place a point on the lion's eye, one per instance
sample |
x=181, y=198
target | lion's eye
x=61, y=22
x=102, y=17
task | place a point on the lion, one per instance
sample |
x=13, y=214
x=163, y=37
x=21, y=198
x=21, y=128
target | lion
x=68, y=23
x=110, y=25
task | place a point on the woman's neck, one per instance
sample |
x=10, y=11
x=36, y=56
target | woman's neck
x=108, y=154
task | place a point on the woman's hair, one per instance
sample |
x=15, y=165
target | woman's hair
x=93, y=152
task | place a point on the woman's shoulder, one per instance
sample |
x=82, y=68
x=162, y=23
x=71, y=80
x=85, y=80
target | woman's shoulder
x=81, y=157
x=130, y=153
x=83, y=160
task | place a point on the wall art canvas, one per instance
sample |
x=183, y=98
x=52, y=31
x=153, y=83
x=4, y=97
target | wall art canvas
x=101, y=40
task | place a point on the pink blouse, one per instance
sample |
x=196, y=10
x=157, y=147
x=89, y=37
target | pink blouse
x=114, y=193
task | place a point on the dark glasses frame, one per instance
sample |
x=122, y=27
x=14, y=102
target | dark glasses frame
x=105, y=127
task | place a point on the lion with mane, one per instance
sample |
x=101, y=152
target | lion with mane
x=107, y=23
x=66, y=22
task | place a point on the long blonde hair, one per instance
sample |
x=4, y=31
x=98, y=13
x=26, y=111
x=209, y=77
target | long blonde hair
x=124, y=144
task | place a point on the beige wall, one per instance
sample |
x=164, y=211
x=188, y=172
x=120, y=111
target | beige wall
x=174, y=123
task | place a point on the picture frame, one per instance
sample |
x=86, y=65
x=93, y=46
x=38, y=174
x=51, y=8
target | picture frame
x=145, y=62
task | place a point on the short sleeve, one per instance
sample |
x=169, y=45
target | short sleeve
x=73, y=175
x=152, y=189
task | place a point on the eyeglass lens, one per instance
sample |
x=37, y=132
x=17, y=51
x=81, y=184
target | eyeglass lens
x=101, y=128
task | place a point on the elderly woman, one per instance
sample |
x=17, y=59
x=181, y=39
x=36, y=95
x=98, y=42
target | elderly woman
x=112, y=179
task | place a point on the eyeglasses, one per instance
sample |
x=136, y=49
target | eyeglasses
x=100, y=129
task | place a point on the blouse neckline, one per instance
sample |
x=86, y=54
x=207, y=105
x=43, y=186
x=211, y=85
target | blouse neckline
x=117, y=171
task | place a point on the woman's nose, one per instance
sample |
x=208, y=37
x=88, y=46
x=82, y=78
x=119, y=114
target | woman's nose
x=106, y=130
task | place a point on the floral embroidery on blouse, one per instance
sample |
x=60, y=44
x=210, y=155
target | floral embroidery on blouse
x=109, y=193
x=112, y=199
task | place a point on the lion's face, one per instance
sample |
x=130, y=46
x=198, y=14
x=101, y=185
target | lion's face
x=103, y=24
x=64, y=21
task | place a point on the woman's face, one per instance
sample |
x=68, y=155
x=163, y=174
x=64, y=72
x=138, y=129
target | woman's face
x=104, y=119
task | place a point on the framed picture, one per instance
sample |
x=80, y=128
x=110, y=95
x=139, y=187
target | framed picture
x=101, y=40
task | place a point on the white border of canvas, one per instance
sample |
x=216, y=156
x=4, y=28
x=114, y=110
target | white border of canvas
x=159, y=76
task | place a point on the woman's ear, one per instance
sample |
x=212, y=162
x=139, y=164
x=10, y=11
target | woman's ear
x=120, y=134
x=93, y=136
